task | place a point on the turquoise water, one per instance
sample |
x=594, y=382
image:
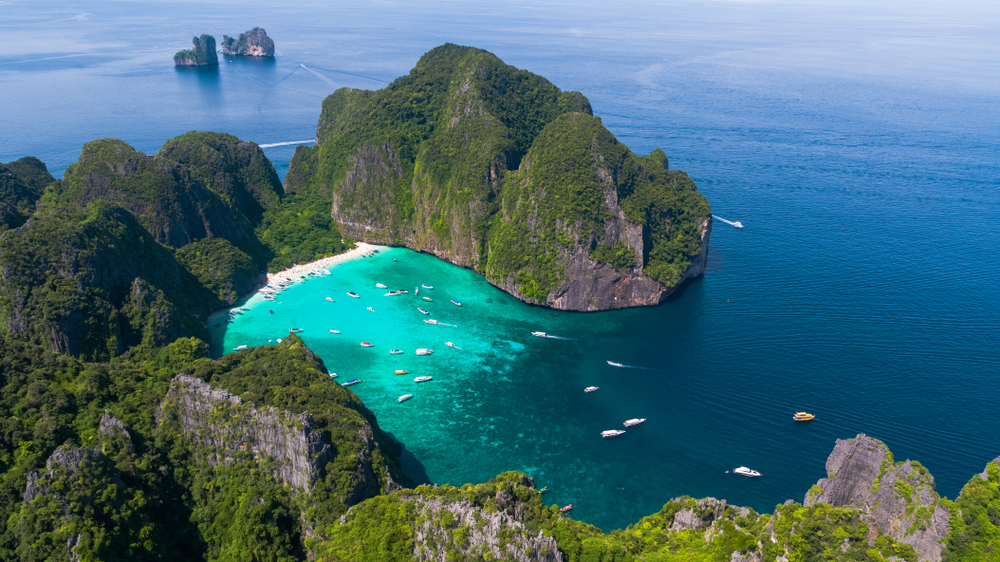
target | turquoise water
x=857, y=142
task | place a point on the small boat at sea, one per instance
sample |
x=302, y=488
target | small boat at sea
x=455, y=302
x=330, y=299
x=295, y=330
x=422, y=379
x=332, y=375
x=426, y=286
x=543, y=490
x=738, y=224
x=367, y=344
x=350, y=382
x=428, y=299
x=566, y=508
x=394, y=293
x=404, y=398
x=395, y=352
x=394, y=259
x=380, y=286
x=539, y=334
x=612, y=433
x=431, y=321
x=240, y=348
x=634, y=421
x=353, y=294
x=422, y=310
x=591, y=388
x=400, y=372
x=371, y=309
x=334, y=331
x=615, y=364
x=803, y=416
x=744, y=471
x=449, y=344
x=424, y=351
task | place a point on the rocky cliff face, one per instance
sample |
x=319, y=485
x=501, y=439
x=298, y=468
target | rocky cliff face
x=254, y=43
x=201, y=54
x=898, y=498
x=498, y=170
x=221, y=424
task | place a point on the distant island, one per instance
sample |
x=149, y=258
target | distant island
x=203, y=53
x=254, y=43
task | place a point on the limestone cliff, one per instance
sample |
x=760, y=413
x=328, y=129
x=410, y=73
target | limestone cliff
x=201, y=54
x=899, y=498
x=496, y=169
x=21, y=185
x=254, y=43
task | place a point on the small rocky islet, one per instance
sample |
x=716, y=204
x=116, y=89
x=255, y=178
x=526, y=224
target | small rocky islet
x=254, y=43
x=123, y=439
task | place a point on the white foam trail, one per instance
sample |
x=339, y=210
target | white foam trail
x=724, y=220
x=558, y=337
x=320, y=76
x=286, y=143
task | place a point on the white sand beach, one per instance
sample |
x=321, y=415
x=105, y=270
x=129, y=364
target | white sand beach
x=293, y=273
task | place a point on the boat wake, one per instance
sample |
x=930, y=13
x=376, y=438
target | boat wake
x=550, y=336
x=737, y=224
x=318, y=75
x=286, y=143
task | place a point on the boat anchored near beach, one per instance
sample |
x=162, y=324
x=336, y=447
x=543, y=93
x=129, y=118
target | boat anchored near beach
x=744, y=471
x=612, y=433
x=634, y=421
x=566, y=508
x=350, y=382
x=334, y=331
x=353, y=294
x=371, y=309
x=395, y=352
x=295, y=330
x=380, y=286
x=428, y=299
x=404, y=398
x=449, y=344
x=422, y=379
x=240, y=348
x=367, y=344
x=427, y=286
x=455, y=302
x=400, y=372
x=422, y=311
x=424, y=351
x=591, y=388
x=330, y=299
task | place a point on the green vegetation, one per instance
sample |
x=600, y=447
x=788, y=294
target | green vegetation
x=21, y=185
x=499, y=170
x=202, y=54
x=975, y=520
x=222, y=268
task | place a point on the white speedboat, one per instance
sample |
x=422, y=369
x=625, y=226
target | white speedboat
x=330, y=299
x=404, y=398
x=422, y=311
x=380, y=286
x=332, y=375
x=426, y=286
x=449, y=344
x=334, y=331
x=612, y=433
x=738, y=224
x=615, y=364
x=295, y=330
x=395, y=352
x=634, y=421
x=240, y=348
x=371, y=309
x=744, y=471
x=591, y=388
x=431, y=321
x=539, y=334
x=350, y=382
x=353, y=294
x=422, y=379
x=423, y=351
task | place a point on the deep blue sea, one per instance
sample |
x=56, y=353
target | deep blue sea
x=858, y=142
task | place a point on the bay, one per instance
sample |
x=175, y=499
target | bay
x=856, y=142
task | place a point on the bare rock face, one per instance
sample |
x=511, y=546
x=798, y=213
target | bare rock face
x=499, y=534
x=221, y=423
x=253, y=43
x=899, y=498
x=68, y=458
x=113, y=427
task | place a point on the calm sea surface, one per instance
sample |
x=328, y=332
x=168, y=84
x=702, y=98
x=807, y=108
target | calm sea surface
x=858, y=144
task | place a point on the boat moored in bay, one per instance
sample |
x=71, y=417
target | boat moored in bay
x=455, y=302
x=431, y=321
x=380, y=286
x=422, y=379
x=803, y=416
x=634, y=421
x=350, y=382
x=424, y=351
x=400, y=372
x=295, y=330
x=422, y=311
x=395, y=352
x=591, y=388
x=539, y=334
x=367, y=344
x=612, y=433
x=404, y=398
x=744, y=471
x=353, y=294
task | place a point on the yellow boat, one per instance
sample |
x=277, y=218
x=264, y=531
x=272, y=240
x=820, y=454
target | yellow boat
x=401, y=372
x=803, y=416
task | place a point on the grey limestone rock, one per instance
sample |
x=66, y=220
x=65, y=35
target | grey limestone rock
x=113, y=427
x=254, y=43
x=899, y=498
x=219, y=421
x=492, y=536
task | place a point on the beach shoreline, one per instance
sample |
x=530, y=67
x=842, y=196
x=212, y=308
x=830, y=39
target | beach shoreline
x=292, y=273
